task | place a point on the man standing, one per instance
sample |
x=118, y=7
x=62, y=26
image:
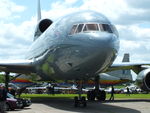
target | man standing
x=128, y=91
x=49, y=89
x=3, y=96
x=112, y=93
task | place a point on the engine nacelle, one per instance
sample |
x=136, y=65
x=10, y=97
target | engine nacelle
x=41, y=27
x=143, y=80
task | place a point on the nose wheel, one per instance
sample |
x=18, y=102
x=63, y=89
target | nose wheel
x=80, y=100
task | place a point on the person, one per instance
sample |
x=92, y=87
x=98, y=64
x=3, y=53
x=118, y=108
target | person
x=53, y=90
x=3, y=96
x=112, y=93
x=128, y=91
x=49, y=89
x=20, y=91
x=12, y=91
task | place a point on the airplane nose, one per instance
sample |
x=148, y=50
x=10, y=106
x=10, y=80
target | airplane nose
x=104, y=41
x=88, y=53
x=104, y=48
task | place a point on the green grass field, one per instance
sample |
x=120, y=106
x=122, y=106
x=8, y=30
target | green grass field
x=71, y=96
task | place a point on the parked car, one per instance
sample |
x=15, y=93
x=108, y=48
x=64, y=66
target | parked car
x=19, y=103
x=11, y=104
x=22, y=102
x=26, y=102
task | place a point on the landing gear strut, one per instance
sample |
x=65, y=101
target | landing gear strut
x=96, y=93
x=81, y=100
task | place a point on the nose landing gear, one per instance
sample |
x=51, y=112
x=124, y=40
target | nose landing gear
x=80, y=100
x=99, y=95
x=96, y=93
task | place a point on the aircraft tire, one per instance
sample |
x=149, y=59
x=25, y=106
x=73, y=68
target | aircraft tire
x=101, y=96
x=91, y=95
x=83, y=99
x=76, y=101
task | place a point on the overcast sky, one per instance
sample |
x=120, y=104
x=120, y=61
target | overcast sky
x=131, y=17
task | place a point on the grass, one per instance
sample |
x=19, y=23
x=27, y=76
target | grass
x=132, y=96
x=48, y=96
x=71, y=96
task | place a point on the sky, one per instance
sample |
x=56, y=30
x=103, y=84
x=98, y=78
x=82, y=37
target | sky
x=18, y=20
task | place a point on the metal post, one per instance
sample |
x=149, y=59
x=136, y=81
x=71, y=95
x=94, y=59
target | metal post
x=97, y=82
x=6, y=80
x=80, y=89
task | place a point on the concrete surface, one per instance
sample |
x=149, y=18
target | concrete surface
x=66, y=106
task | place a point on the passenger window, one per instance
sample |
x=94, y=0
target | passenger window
x=73, y=29
x=79, y=29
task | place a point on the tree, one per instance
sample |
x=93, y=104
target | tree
x=2, y=78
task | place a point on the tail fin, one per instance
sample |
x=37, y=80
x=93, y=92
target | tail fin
x=127, y=73
x=42, y=24
x=123, y=74
x=39, y=11
x=126, y=58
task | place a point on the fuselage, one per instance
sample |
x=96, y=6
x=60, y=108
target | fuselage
x=77, y=46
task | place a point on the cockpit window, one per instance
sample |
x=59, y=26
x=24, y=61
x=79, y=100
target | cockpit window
x=79, y=29
x=91, y=27
x=73, y=29
x=84, y=27
x=114, y=30
x=106, y=27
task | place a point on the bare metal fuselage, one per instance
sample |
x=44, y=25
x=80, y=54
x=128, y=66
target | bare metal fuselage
x=58, y=55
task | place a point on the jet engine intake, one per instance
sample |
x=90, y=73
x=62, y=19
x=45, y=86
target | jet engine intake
x=44, y=24
x=143, y=80
x=41, y=27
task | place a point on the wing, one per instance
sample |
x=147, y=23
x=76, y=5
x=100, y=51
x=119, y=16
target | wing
x=17, y=66
x=136, y=67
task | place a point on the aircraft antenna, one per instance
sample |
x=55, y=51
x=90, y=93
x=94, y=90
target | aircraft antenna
x=39, y=11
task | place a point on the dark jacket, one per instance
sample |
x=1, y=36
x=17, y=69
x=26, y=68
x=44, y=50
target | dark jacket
x=3, y=94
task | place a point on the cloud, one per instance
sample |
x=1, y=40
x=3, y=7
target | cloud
x=134, y=40
x=133, y=32
x=119, y=13
x=142, y=4
x=60, y=8
x=8, y=8
x=134, y=12
x=136, y=17
x=70, y=2
x=15, y=39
